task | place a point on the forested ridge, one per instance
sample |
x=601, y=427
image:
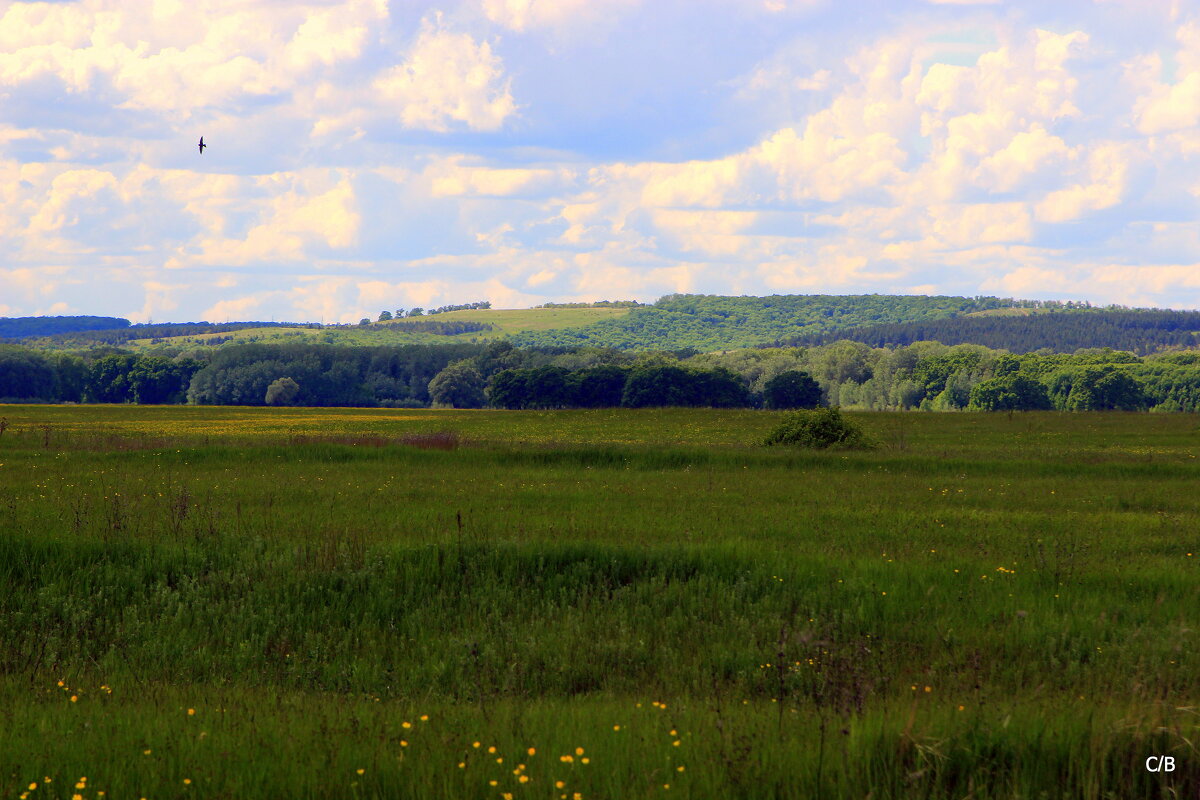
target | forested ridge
x=715, y=322
x=24, y=327
x=1141, y=332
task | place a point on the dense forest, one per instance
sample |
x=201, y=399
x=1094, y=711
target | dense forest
x=924, y=375
x=1140, y=332
x=712, y=322
x=24, y=327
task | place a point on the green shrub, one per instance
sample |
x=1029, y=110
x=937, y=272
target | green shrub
x=819, y=428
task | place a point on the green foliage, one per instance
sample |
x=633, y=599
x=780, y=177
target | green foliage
x=28, y=375
x=459, y=385
x=1010, y=392
x=792, y=389
x=282, y=392
x=23, y=327
x=818, y=429
x=1065, y=331
x=660, y=385
x=1103, y=389
x=710, y=322
x=327, y=375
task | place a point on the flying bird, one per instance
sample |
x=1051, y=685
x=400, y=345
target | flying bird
x=202, y=145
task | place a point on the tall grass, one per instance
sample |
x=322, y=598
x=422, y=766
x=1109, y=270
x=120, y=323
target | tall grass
x=1008, y=613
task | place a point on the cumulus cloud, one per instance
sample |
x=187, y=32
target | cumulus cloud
x=448, y=78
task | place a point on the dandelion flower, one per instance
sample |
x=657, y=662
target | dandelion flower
x=360, y=770
x=616, y=727
x=74, y=698
x=559, y=784
x=403, y=743
x=475, y=745
x=187, y=781
x=585, y=760
x=406, y=725
x=679, y=768
x=578, y=751
x=191, y=712
x=532, y=751
x=424, y=718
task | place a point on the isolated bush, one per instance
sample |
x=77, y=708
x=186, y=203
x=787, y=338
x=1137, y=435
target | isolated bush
x=818, y=428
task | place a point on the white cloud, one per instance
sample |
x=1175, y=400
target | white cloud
x=368, y=155
x=448, y=78
x=455, y=177
x=523, y=15
x=1109, y=167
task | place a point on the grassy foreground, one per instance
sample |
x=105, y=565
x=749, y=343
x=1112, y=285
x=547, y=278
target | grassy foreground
x=217, y=602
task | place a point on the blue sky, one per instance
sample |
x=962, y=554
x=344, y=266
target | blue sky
x=369, y=155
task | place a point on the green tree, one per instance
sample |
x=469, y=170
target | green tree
x=1010, y=392
x=108, y=380
x=1105, y=389
x=385, y=316
x=459, y=385
x=282, y=392
x=509, y=388
x=792, y=389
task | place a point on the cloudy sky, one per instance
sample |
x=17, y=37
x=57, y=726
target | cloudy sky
x=370, y=154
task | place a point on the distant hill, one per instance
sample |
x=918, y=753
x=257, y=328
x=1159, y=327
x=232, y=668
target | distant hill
x=442, y=328
x=1063, y=331
x=115, y=335
x=714, y=322
x=22, y=327
x=682, y=322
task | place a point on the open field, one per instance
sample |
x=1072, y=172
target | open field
x=267, y=602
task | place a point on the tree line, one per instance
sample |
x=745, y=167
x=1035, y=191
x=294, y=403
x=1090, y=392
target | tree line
x=925, y=375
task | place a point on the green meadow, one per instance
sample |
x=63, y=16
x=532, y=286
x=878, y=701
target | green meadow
x=201, y=602
x=504, y=322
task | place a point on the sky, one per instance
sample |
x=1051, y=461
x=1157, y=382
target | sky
x=369, y=155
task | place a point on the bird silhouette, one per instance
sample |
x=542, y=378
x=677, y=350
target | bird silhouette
x=202, y=145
